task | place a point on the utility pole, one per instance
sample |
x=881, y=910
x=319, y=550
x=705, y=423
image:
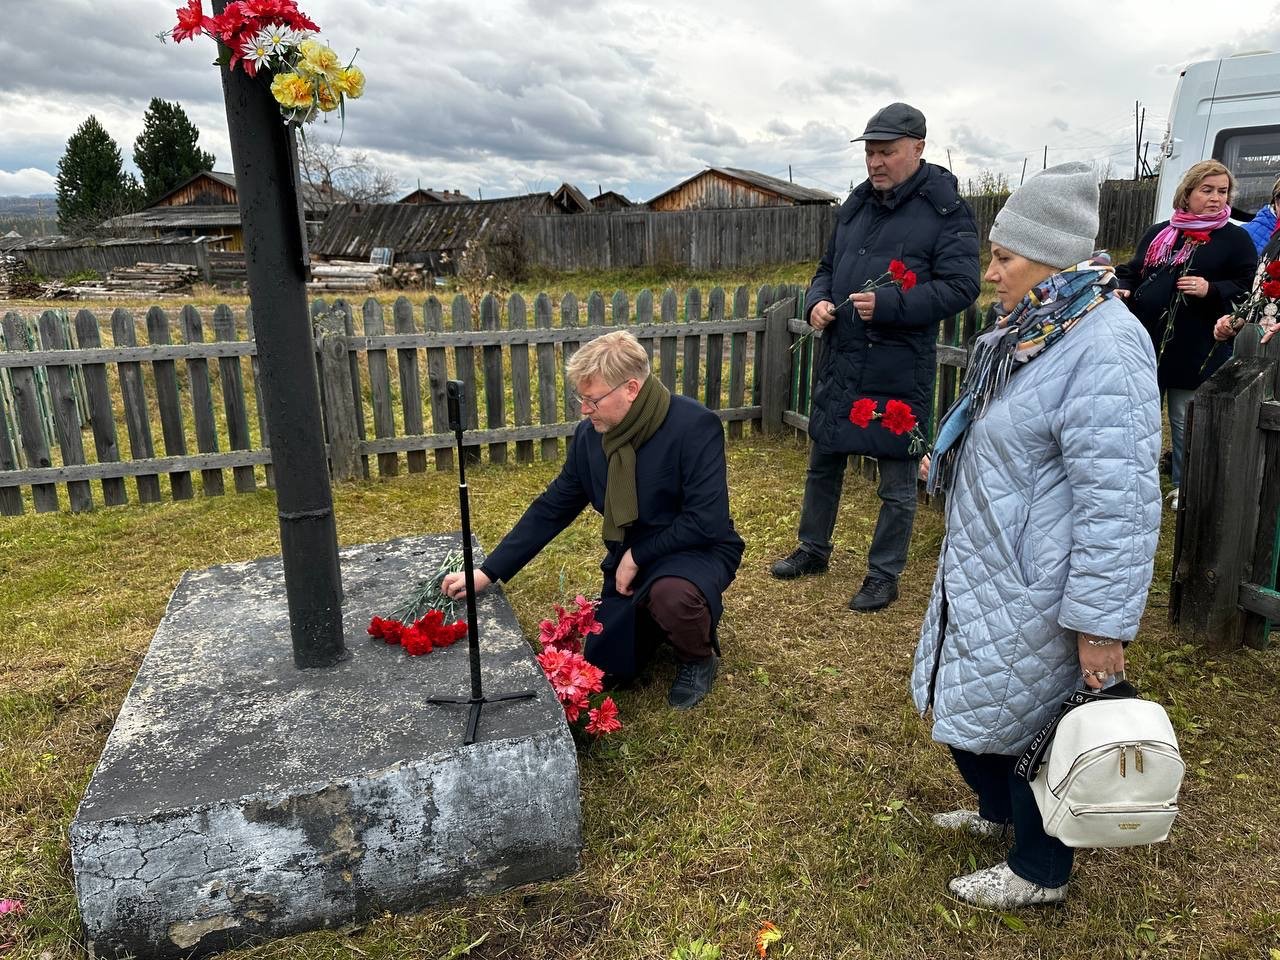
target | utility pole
x=1046, y=157
x=789, y=179
x=1139, y=118
x=264, y=155
x=949, y=158
x=1022, y=179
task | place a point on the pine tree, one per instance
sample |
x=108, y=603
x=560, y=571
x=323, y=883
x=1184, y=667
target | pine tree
x=165, y=152
x=92, y=184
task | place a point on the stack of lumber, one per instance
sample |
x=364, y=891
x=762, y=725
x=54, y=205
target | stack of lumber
x=340, y=276
x=16, y=281
x=407, y=276
x=141, y=280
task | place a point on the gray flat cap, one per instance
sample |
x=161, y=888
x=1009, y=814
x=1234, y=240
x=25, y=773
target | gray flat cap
x=894, y=121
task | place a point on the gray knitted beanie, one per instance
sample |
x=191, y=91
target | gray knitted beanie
x=1053, y=217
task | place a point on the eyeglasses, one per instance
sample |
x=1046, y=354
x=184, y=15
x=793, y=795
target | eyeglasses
x=591, y=404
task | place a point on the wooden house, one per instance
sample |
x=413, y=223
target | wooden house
x=434, y=196
x=205, y=205
x=718, y=188
x=609, y=201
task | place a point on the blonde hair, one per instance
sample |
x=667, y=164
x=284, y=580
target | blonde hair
x=614, y=358
x=1197, y=174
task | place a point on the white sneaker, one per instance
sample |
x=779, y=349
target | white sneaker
x=1173, y=499
x=971, y=822
x=999, y=888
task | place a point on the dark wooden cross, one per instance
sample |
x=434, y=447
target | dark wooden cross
x=264, y=155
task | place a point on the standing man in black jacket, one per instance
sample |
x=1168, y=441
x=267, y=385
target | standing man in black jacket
x=653, y=465
x=880, y=344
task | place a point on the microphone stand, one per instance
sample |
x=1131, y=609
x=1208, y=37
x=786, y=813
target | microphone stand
x=454, y=390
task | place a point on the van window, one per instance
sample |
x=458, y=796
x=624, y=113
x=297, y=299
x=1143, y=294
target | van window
x=1253, y=155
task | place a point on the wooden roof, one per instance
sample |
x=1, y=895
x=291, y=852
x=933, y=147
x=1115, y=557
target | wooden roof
x=572, y=199
x=352, y=230
x=434, y=196
x=761, y=181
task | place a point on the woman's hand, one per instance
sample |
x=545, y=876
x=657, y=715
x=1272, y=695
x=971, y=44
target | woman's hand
x=924, y=468
x=1223, y=330
x=454, y=585
x=1271, y=332
x=1193, y=286
x=1123, y=294
x=1098, y=663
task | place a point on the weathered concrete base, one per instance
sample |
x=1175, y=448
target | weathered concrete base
x=239, y=798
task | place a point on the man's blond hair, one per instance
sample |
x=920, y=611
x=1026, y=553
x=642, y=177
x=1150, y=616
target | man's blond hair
x=614, y=358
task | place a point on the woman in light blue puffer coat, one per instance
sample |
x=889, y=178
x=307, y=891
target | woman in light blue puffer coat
x=1053, y=513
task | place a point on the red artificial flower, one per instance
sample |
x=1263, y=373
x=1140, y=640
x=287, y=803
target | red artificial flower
x=1197, y=236
x=898, y=418
x=604, y=718
x=1273, y=269
x=1271, y=288
x=897, y=269
x=908, y=280
x=863, y=412
x=191, y=21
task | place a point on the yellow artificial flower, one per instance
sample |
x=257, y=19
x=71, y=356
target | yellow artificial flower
x=327, y=97
x=317, y=59
x=350, y=82
x=292, y=91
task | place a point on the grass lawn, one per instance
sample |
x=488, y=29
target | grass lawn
x=800, y=793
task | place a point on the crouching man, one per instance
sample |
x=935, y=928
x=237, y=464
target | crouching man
x=653, y=465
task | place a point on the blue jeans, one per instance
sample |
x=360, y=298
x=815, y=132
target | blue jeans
x=1005, y=798
x=823, y=483
x=1177, y=401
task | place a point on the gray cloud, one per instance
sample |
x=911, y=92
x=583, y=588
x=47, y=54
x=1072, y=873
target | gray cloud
x=845, y=82
x=979, y=147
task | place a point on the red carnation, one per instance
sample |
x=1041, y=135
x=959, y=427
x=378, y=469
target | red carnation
x=863, y=412
x=416, y=642
x=604, y=718
x=1197, y=236
x=908, y=280
x=1273, y=269
x=1271, y=288
x=898, y=418
x=191, y=21
x=897, y=269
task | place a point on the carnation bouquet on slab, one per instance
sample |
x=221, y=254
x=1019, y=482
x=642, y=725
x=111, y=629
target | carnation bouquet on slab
x=428, y=618
x=275, y=38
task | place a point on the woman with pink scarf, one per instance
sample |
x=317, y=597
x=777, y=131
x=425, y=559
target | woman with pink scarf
x=1186, y=273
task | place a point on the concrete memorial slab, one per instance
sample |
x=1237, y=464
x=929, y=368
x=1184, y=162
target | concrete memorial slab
x=240, y=798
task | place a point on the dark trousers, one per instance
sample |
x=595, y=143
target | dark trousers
x=823, y=484
x=674, y=610
x=1005, y=798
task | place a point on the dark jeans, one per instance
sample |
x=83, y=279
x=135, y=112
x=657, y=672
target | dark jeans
x=1005, y=798
x=823, y=483
x=675, y=610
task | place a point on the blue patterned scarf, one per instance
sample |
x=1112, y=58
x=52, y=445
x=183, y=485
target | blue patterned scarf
x=1042, y=318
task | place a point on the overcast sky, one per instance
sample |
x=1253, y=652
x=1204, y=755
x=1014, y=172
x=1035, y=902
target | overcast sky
x=511, y=96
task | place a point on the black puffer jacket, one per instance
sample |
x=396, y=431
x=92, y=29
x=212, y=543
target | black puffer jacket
x=1228, y=262
x=925, y=224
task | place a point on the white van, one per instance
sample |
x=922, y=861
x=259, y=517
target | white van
x=1227, y=110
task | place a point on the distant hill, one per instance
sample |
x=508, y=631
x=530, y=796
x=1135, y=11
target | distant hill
x=41, y=205
x=31, y=216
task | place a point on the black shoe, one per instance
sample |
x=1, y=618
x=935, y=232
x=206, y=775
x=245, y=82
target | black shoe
x=801, y=563
x=693, y=682
x=1166, y=463
x=876, y=594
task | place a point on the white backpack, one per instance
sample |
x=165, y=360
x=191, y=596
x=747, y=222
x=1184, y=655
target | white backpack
x=1106, y=771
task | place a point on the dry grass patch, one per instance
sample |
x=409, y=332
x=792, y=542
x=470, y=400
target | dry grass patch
x=800, y=793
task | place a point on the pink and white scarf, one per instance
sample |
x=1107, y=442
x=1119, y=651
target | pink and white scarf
x=1161, y=247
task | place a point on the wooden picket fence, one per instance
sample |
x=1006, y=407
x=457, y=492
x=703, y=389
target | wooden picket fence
x=382, y=380
x=1227, y=545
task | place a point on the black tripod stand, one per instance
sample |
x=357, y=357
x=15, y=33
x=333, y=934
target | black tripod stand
x=477, y=698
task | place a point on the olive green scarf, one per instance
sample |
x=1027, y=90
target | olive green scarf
x=621, y=507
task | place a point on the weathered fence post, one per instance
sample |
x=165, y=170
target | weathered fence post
x=775, y=378
x=1219, y=509
x=339, y=404
x=1261, y=571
